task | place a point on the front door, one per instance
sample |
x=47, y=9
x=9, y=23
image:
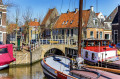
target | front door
x=18, y=43
x=115, y=36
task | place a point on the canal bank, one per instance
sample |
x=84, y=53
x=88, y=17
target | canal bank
x=23, y=72
x=24, y=57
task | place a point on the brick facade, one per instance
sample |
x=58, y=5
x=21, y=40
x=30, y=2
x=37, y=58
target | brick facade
x=116, y=27
x=3, y=22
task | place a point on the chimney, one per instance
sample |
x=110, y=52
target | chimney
x=68, y=11
x=1, y=3
x=35, y=20
x=91, y=8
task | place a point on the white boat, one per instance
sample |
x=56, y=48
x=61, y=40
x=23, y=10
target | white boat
x=61, y=67
x=58, y=67
x=4, y=66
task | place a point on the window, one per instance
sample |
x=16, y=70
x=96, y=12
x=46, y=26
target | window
x=95, y=21
x=110, y=17
x=91, y=34
x=71, y=22
x=100, y=35
x=66, y=22
x=63, y=22
x=62, y=31
x=97, y=34
x=107, y=36
x=0, y=18
x=0, y=36
x=93, y=56
x=71, y=32
x=33, y=28
x=86, y=54
x=68, y=32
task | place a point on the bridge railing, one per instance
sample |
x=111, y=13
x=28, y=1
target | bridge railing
x=53, y=42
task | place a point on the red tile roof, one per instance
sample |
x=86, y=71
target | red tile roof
x=47, y=16
x=72, y=16
x=33, y=23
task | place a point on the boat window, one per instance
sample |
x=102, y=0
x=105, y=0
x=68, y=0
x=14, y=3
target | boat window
x=93, y=56
x=86, y=54
x=3, y=50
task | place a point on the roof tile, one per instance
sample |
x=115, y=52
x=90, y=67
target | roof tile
x=72, y=19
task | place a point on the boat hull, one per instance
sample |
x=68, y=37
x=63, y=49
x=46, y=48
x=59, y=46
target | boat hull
x=4, y=66
x=52, y=73
x=47, y=72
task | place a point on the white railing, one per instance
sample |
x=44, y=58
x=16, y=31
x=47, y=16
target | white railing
x=53, y=42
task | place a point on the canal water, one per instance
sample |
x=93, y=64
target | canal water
x=23, y=72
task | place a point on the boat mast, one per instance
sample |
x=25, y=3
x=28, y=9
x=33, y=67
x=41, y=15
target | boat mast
x=80, y=27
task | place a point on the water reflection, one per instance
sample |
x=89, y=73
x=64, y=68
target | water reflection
x=25, y=72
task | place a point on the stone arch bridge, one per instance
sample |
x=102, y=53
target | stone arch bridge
x=41, y=47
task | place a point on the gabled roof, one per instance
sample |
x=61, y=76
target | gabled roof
x=33, y=23
x=47, y=16
x=112, y=15
x=70, y=19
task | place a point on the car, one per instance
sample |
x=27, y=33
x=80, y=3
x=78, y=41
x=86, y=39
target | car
x=118, y=45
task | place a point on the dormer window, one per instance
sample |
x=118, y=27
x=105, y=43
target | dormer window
x=63, y=22
x=110, y=18
x=66, y=22
x=95, y=21
x=71, y=22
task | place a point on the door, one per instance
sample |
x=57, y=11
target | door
x=115, y=36
x=18, y=43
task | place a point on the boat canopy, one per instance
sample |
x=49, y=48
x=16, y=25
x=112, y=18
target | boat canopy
x=6, y=54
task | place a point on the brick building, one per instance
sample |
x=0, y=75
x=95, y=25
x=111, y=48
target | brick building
x=48, y=23
x=116, y=26
x=2, y=22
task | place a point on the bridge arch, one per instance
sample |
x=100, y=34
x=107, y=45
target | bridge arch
x=54, y=51
x=61, y=47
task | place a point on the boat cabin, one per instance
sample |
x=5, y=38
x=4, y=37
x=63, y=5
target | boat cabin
x=95, y=42
x=94, y=53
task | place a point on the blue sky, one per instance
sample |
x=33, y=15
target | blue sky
x=40, y=7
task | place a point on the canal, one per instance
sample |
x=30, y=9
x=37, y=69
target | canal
x=23, y=72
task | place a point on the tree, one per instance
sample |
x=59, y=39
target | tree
x=27, y=17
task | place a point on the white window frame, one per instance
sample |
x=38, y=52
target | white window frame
x=2, y=36
x=102, y=35
x=108, y=34
x=1, y=19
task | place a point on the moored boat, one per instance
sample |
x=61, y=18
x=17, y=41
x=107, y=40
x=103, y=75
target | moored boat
x=6, y=55
x=58, y=67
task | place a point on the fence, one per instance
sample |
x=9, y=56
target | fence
x=37, y=43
